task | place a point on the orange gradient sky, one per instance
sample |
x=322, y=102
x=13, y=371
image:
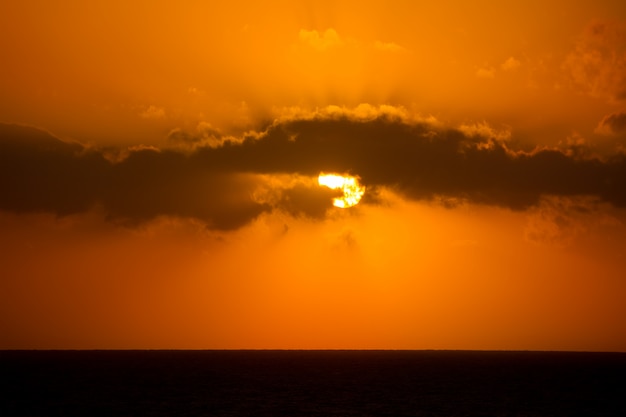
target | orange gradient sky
x=159, y=171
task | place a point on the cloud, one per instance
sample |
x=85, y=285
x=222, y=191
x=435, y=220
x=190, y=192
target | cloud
x=39, y=173
x=194, y=91
x=153, y=112
x=388, y=47
x=597, y=66
x=486, y=134
x=320, y=41
x=612, y=124
x=510, y=64
x=577, y=146
x=299, y=196
x=423, y=161
x=227, y=184
x=329, y=39
x=363, y=112
x=559, y=221
x=488, y=72
x=204, y=135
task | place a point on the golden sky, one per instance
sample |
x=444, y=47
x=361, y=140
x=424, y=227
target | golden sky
x=159, y=171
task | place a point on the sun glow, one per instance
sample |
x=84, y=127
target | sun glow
x=352, y=189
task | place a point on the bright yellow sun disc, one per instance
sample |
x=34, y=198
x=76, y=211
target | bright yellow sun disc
x=352, y=190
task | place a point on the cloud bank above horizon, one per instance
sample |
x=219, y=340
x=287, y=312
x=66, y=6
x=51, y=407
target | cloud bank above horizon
x=227, y=181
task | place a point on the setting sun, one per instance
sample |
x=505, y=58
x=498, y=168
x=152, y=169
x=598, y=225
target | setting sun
x=352, y=189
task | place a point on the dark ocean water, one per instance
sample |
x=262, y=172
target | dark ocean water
x=311, y=383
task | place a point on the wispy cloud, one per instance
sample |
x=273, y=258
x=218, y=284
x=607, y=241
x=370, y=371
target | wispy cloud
x=613, y=124
x=510, y=64
x=558, y=221
x=153, y=112
x=388, y=47
x=597, y=65
x=330, y=39
x=321, y=41
x=486, y=72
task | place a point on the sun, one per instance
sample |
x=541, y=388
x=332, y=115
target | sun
x=352, y=189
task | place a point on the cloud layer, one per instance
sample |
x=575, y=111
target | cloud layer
x=229, y=184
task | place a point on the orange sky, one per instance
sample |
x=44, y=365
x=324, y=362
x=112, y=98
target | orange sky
x=159, y=162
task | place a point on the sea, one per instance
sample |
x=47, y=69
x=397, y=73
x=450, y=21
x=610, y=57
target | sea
x=340, y=383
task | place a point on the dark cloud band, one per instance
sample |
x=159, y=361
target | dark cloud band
x=218, y=184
